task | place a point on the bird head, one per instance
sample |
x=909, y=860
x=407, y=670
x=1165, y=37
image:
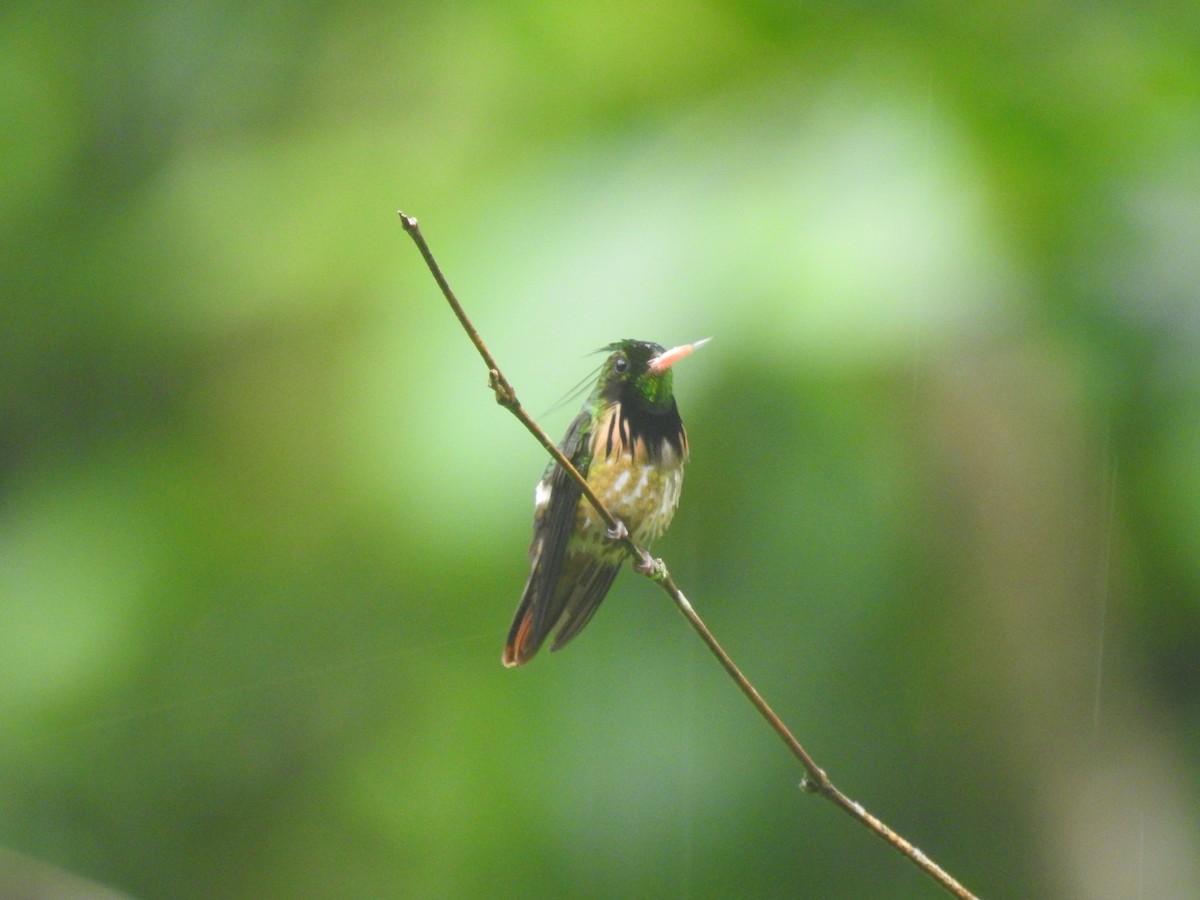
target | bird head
x=639, y=372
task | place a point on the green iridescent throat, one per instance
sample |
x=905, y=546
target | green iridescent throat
x=657, y=389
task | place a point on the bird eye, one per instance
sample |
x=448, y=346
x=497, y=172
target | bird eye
x=620, y=365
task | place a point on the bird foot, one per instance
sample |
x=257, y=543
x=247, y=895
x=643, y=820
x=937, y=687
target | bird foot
x=646, y=564
x=618, y=533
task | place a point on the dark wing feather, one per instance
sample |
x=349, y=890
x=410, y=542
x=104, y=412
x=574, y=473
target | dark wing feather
x=587, y=591
x=542, y=604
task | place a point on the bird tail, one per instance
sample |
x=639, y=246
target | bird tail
x=567, y=604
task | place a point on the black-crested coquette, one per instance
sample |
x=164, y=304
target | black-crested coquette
x=630, y=445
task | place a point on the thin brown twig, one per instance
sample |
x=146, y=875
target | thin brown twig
x=815, y=780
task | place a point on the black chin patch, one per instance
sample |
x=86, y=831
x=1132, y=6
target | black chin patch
x=657, y=430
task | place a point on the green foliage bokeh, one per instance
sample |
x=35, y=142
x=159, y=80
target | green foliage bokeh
x=262, y=526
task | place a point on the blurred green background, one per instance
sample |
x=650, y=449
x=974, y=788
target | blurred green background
x=262, y=526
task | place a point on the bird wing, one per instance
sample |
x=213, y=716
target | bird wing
x=587, y=589
x=541, y=604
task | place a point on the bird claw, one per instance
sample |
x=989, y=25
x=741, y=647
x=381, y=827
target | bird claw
x=617, y=533
x=646, y=564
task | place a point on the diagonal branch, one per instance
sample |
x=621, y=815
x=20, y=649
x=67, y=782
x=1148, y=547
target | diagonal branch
x=815, y=780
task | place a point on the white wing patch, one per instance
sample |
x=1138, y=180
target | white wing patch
x=541, y=495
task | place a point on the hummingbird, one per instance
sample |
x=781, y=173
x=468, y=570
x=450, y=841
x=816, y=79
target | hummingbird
x=630, y=445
